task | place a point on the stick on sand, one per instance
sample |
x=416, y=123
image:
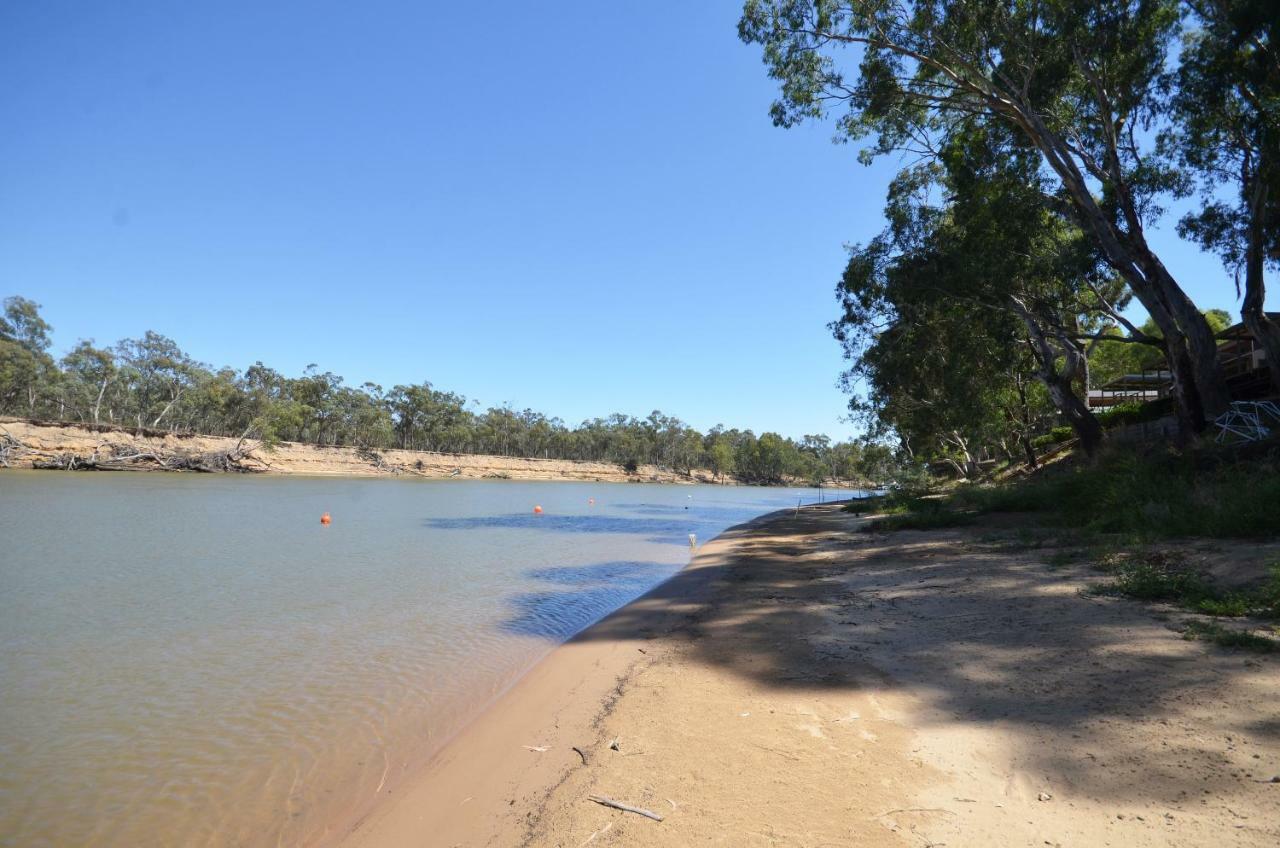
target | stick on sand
x=626, y=808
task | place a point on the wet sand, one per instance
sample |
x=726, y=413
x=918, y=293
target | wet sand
x=802, y=683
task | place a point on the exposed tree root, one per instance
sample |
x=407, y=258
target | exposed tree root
x=107, y=457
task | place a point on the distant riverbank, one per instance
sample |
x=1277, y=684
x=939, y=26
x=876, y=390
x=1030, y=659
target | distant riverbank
x=69, y=446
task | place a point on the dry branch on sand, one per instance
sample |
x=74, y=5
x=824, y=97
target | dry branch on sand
x=626, y=808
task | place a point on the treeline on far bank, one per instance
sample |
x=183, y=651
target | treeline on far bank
x=150, y=383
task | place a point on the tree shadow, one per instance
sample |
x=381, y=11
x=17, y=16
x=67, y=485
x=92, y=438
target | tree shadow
x=989, y=637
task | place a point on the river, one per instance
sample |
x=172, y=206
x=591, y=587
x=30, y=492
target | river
x=196, y=660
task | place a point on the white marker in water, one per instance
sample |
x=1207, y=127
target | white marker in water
x=693, y=540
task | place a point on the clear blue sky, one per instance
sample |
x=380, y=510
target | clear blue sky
x=580, y=207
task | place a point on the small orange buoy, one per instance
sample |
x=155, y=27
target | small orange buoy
x=326, y=519
x=537, y=510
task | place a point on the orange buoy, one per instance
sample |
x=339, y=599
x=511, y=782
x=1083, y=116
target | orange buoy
x=537, y=510
x=326, y=519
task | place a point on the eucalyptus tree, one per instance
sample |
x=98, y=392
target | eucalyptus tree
x=928, y=369
x=88, y=372
x=976, y=244
x=1227, y=131
x=27, y=373
x=1079, y=80
x=155, y=374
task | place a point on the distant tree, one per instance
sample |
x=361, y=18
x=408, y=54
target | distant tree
x=151, y=382
x=26, y=370
x=90, y=371
x=21, y=323
x=157, y=373
x=720, y=457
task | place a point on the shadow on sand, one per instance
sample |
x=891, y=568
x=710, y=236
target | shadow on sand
x=984, y=636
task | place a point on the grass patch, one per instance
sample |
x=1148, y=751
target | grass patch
x=1209, y=631
x=1159, y=577
x=1147, y=497
x=875, y=503
x=1061, y=559
x=927, y=520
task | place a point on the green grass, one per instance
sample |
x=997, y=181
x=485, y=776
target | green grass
x=928, y=520
x=1156, y=578
x=1146, y=497
x=1063, y=558
x=1209, y=631
x=875, y=503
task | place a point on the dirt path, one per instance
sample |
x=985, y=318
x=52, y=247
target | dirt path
x=841, y=688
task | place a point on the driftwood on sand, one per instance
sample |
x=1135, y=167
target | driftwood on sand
x=626, y=808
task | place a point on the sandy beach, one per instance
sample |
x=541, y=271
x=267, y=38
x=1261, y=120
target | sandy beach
x=803, y=683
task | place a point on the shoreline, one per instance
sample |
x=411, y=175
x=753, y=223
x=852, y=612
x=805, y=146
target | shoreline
x=469, y=791
x=800, y=683
x=57, y=446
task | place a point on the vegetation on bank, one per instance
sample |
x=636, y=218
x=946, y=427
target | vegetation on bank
x=151, y=383
x=1138, y=497
x=1118, y=512
x=1041, y=143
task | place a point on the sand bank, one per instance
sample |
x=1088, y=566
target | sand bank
x=805, y=684
x=41, y=443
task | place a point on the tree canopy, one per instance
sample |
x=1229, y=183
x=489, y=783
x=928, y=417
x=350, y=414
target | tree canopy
x=151, y=383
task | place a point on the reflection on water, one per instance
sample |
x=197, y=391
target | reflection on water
x=195, y=660
x=655, y=530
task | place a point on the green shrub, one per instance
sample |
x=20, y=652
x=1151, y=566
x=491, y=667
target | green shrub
x=1055, y=436
x=1151, y=579
x=1147, y=498
x=1223, y=637
x=861, y=506
x=1134, y=412
x=933, y=519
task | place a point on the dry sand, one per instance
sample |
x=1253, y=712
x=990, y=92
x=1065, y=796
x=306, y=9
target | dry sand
x=803, y=684
x=43, y=441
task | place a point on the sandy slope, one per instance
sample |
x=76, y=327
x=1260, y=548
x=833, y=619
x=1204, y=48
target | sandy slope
x=45, y=440
x=803, y=684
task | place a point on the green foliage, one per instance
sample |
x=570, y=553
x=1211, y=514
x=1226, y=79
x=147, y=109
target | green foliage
x=151, y=383
x=1147, y=497
x=1055, y=436
x=934, y=519
x=876, y=503
x=1223, y=637
x=1087, y=103
x=1147, y=579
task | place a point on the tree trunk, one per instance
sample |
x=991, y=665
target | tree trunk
x=1073, y=409
x=97, y=404
x=1196, y=372
x=1266, y=333
x=1061, y=393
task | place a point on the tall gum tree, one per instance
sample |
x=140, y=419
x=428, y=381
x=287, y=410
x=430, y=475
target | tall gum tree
x=1080, y=79
x=1227, y=131
x=974, y=243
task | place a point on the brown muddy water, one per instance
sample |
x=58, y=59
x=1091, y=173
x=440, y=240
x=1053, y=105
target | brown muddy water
x=195, y=660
